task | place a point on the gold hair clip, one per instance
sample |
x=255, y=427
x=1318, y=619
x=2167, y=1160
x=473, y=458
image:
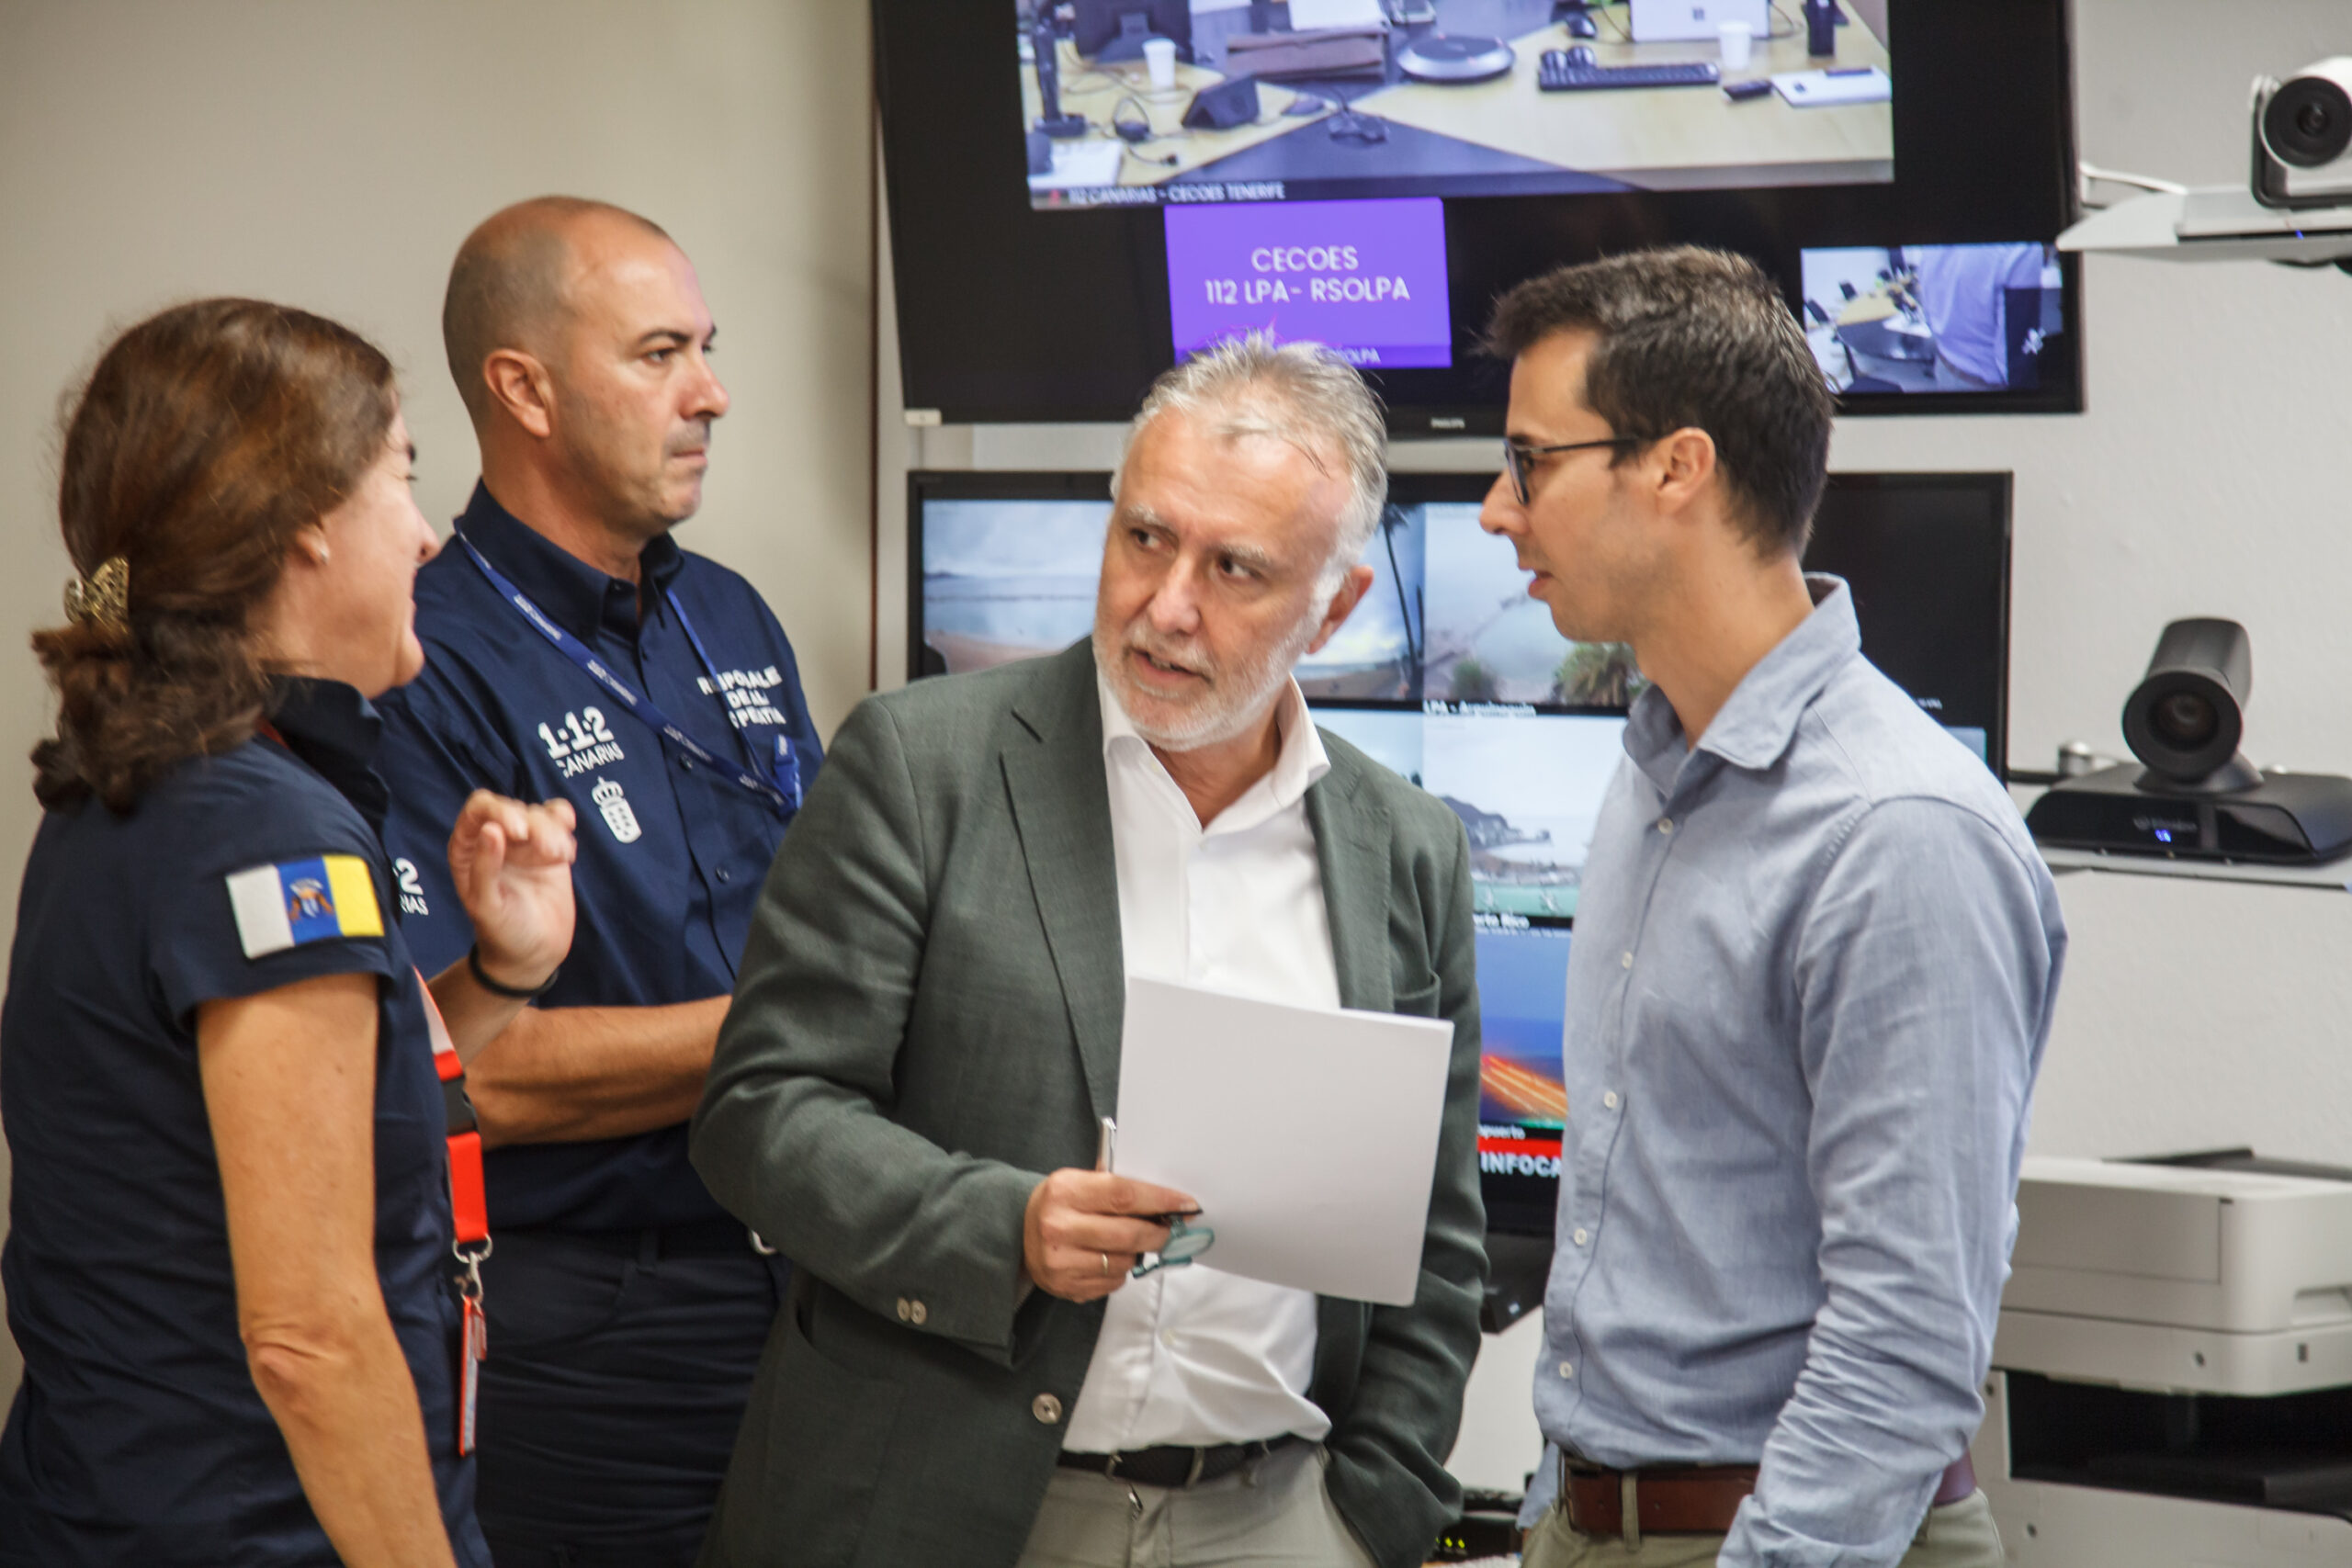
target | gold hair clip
x=103, y=598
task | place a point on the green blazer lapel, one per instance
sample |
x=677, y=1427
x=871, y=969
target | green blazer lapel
x=1061, y=809
x=1351, y=837
x=1351, y=847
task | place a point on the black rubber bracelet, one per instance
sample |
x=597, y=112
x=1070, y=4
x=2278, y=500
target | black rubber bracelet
x=512, y=993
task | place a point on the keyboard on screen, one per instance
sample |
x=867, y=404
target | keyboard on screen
x=1558, y=72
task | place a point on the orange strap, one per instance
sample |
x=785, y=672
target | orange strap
x=466, y=1204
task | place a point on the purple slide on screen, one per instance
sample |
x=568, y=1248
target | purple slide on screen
x=1365, y=277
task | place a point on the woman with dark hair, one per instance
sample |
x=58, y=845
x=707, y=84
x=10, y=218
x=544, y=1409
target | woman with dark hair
x=231, y=1265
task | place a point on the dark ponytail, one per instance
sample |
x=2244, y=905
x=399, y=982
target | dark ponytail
x=207, y=437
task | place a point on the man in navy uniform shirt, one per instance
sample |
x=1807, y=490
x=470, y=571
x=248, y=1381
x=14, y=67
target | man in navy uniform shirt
x=574, y=651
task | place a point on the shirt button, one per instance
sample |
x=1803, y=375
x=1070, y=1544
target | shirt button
x=1167, y=1337
x=1627, y=960
x=1609, y=1099
x=687, y=763
x=916, y=1312
x=1582, y=1237
x=905, y=1312
x=725, y=876
x=1665, y=824
x=1568, y=1370
x=1046, y=1409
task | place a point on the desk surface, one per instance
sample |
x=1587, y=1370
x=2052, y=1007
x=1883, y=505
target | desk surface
x=1875, y=306
x=1664, y=138
x=1096, y=91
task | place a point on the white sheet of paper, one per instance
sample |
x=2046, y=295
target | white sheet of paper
x=1309, y=15
x=1819, y=89
x=1309, y=1134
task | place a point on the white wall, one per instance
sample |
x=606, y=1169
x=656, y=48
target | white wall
x=2212, y=475
x=333, y=156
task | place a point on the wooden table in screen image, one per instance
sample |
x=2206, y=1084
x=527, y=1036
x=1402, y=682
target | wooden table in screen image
x=1666, y=138
x=1097, y=91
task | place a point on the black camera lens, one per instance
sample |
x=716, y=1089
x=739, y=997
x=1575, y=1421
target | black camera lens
x=2186, y=719
x=2307, y=122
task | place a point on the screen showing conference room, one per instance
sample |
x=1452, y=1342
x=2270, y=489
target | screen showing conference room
x=1167, y=102
x=1912, y=319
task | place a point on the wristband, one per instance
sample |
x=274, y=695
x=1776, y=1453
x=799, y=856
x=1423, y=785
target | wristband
x=512, y=993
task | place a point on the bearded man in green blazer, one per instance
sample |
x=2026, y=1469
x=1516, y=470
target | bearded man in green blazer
x=906, y=1094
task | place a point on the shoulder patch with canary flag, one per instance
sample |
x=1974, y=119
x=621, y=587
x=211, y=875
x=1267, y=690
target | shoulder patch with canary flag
x=293, y=902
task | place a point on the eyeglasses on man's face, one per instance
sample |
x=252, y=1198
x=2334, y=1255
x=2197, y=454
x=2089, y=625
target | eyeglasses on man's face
x=1519, y=458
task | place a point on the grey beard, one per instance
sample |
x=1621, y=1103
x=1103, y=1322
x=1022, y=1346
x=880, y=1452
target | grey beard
x=1233, y=703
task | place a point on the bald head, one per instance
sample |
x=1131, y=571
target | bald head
x=510, y=285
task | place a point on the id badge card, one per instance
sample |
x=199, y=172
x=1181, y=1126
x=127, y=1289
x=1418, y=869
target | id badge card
x=473, y=1351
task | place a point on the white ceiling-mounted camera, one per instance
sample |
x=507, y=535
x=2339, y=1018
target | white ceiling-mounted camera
x=2296, y=208
x=2302, y=136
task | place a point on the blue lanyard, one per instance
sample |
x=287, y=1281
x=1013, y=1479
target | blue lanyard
x=781, y=789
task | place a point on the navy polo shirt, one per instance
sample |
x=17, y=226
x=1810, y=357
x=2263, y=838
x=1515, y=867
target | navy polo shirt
x=138, y=1438
x=672, y=855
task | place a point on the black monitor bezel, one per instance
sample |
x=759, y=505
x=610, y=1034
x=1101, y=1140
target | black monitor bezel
x=991, y=329
x=1998, y=487
x=1413, y=488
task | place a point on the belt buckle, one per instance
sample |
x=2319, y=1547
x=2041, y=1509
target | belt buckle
x=1566, y=1499
x=1629, y=1499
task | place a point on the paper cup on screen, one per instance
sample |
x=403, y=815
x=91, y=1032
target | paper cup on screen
x=1739, y=44
x=1159, y=58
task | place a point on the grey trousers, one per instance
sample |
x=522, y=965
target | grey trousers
x=1273, y=1514
x=1958, y=1535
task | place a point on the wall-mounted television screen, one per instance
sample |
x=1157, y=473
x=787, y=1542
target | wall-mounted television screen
x=1929, y=319
x=1081, y=192
x=1451, y=675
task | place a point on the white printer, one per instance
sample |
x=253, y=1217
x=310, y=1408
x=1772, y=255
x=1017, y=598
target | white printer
x=2171, y=1376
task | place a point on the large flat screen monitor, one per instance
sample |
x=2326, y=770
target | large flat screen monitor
x=1323, y=100
x=1083, y=191
x=1451, y=675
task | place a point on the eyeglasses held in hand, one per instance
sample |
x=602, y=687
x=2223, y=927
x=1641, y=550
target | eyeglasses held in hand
x=1184, y=1244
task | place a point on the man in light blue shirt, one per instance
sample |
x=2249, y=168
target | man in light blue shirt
x=1967, y=292
x=1814, y=962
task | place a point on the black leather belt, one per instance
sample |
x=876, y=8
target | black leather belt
x=1174, y=1466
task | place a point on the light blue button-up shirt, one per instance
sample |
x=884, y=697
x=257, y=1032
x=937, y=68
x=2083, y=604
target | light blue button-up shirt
x=1814, y=962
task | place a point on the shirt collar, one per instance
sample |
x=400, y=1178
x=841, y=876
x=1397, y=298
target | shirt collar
x=577, y=596
x=333, y=728
x=1754, y=725
x=1301, y=762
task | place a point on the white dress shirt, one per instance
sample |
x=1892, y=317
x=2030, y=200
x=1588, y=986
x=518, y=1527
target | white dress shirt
x=1189, y=1355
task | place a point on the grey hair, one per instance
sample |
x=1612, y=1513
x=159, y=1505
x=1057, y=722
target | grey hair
x=1300, y=393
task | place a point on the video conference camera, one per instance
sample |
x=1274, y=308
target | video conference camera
x=2186, y=716
x=2302, y=136
x=2194, y=796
